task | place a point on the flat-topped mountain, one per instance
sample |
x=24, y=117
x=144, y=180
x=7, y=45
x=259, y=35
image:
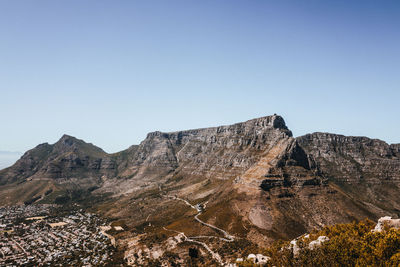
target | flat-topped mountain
x=218, y=153
x=256, y=180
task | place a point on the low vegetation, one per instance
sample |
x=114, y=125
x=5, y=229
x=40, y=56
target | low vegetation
x=351, y=244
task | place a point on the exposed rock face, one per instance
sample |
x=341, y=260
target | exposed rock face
x=396, y=149
x=223, y=152
x=353, y=159
x=366, y=170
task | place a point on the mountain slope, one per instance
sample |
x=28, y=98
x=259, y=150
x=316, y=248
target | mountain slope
x=256, y=181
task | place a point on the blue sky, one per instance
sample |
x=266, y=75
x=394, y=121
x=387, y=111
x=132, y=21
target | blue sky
x=109, y=72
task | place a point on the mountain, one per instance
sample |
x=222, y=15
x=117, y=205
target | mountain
x=255, y=180
x=68, y=164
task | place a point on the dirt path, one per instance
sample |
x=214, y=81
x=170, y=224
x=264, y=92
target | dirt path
x=227, y=237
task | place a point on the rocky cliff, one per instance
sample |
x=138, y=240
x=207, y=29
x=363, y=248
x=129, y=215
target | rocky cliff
x=210, y=153
x=367, y=170
x=352, y=159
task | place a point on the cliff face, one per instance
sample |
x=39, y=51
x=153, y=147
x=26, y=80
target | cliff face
x=353, y=159
x=216, y=153
x=366, y=170
x=219, y=152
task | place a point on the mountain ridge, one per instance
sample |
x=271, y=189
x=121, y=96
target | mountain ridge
x=259, y=182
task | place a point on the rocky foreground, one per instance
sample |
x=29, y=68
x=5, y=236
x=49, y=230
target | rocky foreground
x=253, y=181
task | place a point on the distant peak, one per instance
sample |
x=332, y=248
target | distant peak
x=70, y=143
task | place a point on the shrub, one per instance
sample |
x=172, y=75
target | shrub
x=350, y=244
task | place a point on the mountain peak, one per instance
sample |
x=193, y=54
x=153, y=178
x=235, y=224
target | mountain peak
x=67, y=137
x=67, y=141
x=71, y=143
x=275, y=121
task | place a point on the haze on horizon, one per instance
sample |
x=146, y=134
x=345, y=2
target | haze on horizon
x=110, y=72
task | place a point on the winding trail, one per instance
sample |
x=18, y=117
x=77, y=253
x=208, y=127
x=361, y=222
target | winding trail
x=227, y=237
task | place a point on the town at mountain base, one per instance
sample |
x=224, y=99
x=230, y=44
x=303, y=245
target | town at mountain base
x=226, y=191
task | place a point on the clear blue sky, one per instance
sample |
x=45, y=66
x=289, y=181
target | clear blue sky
x=109, y=72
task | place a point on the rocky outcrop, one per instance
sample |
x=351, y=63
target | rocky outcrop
x=386, y=222
x=395, y=149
